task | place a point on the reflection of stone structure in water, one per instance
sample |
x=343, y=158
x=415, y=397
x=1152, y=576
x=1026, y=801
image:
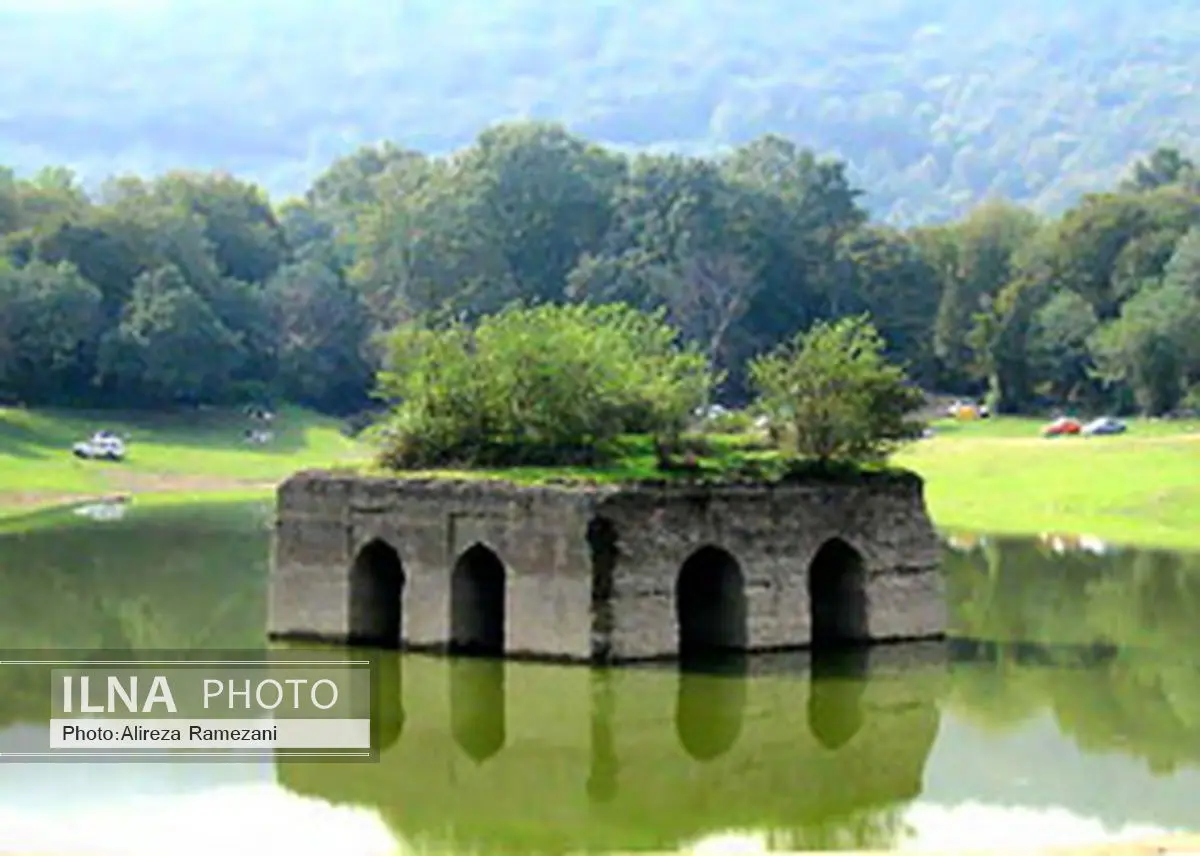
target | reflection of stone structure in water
x=478, y=707
x=542, y=758
x=602, y=781
x=603, y=574
x=835, y=700
x=387, y=702
x=709, y=706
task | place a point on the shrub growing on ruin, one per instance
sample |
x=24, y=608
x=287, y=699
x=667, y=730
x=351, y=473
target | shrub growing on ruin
x=832, y=396
x=539, y=385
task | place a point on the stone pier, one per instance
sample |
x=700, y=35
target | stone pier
x=603, y=574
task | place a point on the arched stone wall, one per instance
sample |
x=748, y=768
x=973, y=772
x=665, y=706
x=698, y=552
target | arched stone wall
x=604, y=573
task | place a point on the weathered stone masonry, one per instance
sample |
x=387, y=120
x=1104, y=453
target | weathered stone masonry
x=602, y=574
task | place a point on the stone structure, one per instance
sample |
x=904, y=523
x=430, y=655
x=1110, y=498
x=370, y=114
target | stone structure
x=603, y=574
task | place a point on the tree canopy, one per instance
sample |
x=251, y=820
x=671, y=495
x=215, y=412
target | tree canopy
x=199, y=288
x=833, y=389
x=542, y=385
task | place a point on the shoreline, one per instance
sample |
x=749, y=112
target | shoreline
x=12, y=516
x=26, y=502
x=1169, y=845
x=20, y=505
x=989, y=478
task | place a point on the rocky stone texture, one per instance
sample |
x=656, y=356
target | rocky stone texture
x=603, y=574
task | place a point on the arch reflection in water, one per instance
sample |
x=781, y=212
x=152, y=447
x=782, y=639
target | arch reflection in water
x=478, y=706
x=837, y=682
x=387, y=699
x=604, y=765
x=634, y=758
x=711, y=704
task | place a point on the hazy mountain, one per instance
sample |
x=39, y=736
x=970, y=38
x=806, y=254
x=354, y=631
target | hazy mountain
x=935, y=103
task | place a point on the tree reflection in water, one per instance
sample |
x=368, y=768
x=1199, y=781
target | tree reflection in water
x=1105, y=639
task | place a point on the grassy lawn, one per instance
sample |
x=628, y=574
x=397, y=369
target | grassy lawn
x=995, y=476
x=169, y=455
x=1000, y=476
x=719, y=456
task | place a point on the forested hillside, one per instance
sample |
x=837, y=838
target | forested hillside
x=935, y=104
x=196, y=288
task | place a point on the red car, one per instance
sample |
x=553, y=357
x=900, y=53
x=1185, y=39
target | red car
x=1061, y=426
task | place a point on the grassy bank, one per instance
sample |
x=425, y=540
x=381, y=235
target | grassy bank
x=996, y=476
x=170, y=456
x=1000, y=476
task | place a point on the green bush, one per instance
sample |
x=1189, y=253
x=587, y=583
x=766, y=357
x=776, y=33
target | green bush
x=542, y=385
x=834, y=396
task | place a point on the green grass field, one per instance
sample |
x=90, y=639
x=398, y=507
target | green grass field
x=169, y=455
x=999, y=476
x=995, y=476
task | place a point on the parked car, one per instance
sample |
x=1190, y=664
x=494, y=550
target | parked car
x=103, y=445
x=967, y=411
x=1062, y=426
x=1104, y=425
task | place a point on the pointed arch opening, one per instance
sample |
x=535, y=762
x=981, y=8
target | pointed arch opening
x=376, y=596
x=477, y=608
x=710, y=605
x=837, y=596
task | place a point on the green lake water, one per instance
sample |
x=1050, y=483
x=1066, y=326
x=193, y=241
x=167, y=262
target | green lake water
x=1065, y=707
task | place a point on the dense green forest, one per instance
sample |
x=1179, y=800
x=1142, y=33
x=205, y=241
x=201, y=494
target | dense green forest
x=194, y=288
x=934, y=104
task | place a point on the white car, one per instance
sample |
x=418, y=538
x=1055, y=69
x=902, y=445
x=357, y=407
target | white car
x=1105, y=425
x=103, y=446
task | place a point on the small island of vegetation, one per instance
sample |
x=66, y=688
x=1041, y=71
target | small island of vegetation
x=605, y=393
